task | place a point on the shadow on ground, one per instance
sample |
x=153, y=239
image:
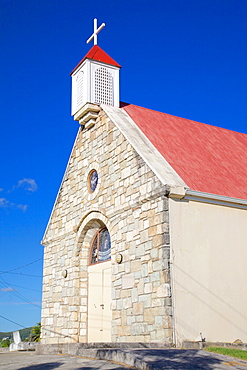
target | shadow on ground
x=159, y=359
x=178, y=359
x=46, y=366
x=55, y=365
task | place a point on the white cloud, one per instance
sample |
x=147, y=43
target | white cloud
x=23, y=207
x=6, y=203
x=9, y=289
x=28, y=184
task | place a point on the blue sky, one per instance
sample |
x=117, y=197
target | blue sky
x=183, y=57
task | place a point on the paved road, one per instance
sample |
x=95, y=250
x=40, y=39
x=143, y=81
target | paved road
x=148, y=359
x=31, y=361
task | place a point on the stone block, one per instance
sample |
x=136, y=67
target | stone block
x=134, y=295
x=167, y=322
x=160, y=335
x=144, y=237
x=146, y=224
x=124, y=318
x=118, y=282
x=163, y=290
x=127, y=268
x=157, y=265
x=83, y=332
x=83, y=317
x=148, y=301
x=168, y=301
x=148, y=288
x=138, y=308
x=130, y=320
x=127, y=303
x=152, y=231
x=158, y=321
x=140, y=287
x=158, y=240
x=155, y=276
x=128, y=281
x=144, y=270
x=126, y=293
x=135, y=265
x=154, y=253
x=148, y=245
x=119, y=304
x=156, y=302
x=124, y=330
x=138, y=328
x=168, y=335
x=150, y=266
x=149, y=315
x=137, y=275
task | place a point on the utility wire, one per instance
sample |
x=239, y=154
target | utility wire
x=20, y=273
x=5, y=318
x=44, y=327
x=22, y=287
x=21, y=267
x=20, y=296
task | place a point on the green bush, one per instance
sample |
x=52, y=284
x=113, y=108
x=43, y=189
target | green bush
x=5, y=343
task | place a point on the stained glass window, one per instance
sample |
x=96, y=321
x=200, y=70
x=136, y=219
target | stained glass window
x=101, y=247
x=92, y=180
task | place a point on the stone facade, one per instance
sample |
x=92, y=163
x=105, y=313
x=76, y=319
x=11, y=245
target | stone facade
x=131, y=202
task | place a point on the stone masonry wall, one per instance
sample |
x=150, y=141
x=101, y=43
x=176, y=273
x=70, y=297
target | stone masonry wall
x=131, y=202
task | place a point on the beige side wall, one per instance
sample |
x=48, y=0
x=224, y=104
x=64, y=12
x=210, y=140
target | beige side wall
x=209, y=268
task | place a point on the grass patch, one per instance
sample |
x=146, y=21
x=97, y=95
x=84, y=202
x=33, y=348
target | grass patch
x=237, y=353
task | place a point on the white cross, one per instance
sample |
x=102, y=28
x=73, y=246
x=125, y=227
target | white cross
x=95, y=32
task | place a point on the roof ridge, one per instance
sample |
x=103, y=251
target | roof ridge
x=98, y=54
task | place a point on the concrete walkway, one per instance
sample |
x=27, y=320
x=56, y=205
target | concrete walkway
x=121, y=359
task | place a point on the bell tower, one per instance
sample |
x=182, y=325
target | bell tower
x=95, y=79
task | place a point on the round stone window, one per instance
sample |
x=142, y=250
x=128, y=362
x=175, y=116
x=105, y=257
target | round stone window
x=92, y=181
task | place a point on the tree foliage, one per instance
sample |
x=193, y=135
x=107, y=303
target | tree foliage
x=35, y=333
x=5, y=342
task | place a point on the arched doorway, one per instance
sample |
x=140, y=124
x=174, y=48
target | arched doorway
x=99, y=287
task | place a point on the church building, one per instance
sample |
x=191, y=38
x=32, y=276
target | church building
x=147, y=239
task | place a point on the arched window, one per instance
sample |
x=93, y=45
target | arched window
x=101, y=247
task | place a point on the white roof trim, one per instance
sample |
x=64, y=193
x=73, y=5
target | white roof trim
x=157, y=163
x=214, y=198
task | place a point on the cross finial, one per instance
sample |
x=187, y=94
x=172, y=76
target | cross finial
x=95, y=32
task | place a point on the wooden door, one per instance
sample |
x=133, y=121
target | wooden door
x=99, y=302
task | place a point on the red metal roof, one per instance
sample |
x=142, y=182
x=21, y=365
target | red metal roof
x=96, y=53
x=209, y=159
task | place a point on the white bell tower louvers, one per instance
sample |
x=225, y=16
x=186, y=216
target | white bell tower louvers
x=96, y=78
